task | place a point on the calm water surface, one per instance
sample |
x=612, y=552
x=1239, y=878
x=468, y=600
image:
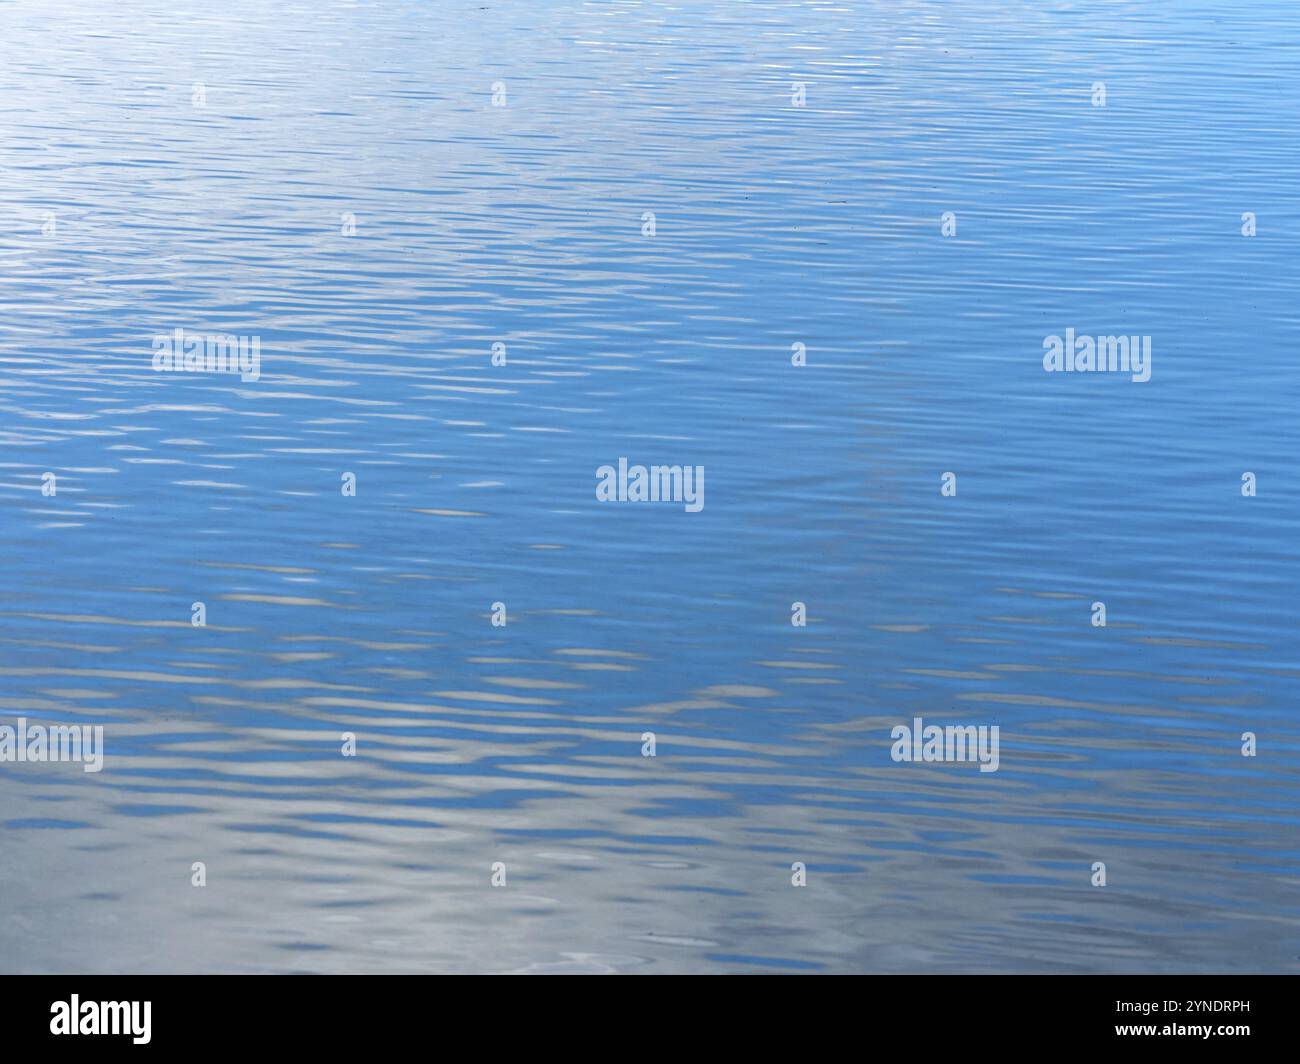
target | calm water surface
x=522, y=225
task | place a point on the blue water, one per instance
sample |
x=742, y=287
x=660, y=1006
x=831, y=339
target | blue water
x=173, y=165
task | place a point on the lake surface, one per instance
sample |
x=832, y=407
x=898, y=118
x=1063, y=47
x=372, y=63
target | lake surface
x=335, y=180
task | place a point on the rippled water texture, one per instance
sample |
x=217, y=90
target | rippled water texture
x=168, y=165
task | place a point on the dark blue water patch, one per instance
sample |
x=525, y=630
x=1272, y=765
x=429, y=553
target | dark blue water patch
x=1057, y=918
x=1010, y=880
x=286, y=829
x=143, y=810
x=784, y=963
x=339, y=818
x=722, y=892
